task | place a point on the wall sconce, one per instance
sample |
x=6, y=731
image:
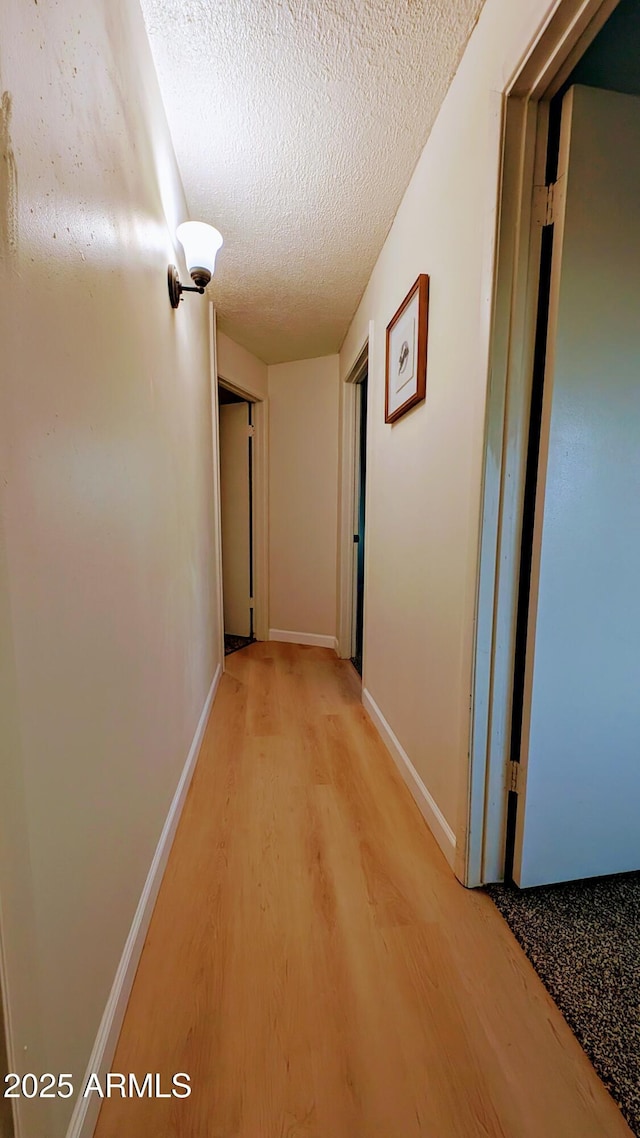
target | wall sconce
x=200, y=243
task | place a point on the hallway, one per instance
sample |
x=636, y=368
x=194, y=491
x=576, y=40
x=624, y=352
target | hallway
x=312, y=963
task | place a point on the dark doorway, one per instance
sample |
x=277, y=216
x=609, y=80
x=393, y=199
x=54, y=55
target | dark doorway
x=359, y=527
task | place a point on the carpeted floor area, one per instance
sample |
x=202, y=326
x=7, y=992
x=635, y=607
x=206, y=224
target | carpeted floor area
x=235, y=643
x=583, y=939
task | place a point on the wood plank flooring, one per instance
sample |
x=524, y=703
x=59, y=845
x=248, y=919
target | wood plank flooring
x=313, y=964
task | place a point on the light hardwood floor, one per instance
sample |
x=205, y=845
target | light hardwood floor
x=313, y=964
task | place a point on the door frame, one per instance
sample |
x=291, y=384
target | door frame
x=561, y=42
x=260, y=493
x=347, y=481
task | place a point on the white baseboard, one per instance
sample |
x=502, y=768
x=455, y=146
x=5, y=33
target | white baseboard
x=312, y=639
x=429, y=809
x=85, y=1114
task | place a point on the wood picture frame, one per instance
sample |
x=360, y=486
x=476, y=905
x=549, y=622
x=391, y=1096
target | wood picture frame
x=406, y=362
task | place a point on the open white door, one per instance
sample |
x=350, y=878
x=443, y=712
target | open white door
x=236, y=517
x=579, y=795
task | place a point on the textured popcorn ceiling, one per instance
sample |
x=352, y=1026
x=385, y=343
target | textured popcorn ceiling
x=297, y=125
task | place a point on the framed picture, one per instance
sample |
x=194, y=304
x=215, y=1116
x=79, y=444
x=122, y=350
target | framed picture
x=406, y=377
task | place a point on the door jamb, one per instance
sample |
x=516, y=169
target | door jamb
x=565, y=37
x=346, y=495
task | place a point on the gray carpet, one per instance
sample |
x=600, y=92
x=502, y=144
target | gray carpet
x=583, y=939
x=235, y=643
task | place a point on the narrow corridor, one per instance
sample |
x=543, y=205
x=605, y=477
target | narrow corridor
x=312, y=963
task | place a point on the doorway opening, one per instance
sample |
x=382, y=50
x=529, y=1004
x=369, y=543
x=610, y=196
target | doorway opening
x=237, y=517
x=354, y=440
x=580, y=48
x=578, y=613
x=359, y=513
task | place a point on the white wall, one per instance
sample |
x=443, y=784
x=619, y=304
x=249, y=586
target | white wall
x=303, y=495
x=238, y=366
x=424, y=476
x=107, y=625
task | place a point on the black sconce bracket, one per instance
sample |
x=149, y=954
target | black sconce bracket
x=176, y=288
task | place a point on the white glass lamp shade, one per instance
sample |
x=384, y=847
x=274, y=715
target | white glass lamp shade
x=200, y=243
